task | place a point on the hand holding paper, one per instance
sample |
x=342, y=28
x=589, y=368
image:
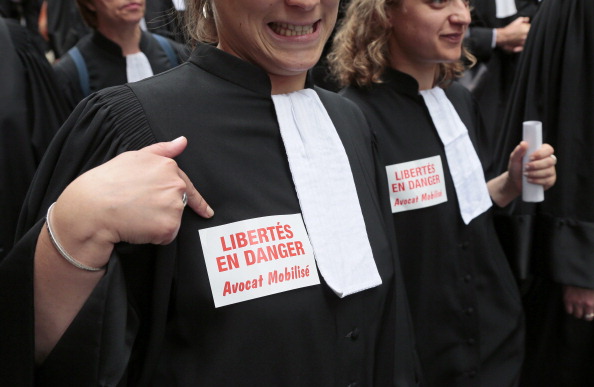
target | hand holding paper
x=528, y=170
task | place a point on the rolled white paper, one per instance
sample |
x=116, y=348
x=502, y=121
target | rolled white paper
x=532, y=134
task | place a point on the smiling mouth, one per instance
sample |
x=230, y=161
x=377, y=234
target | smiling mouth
x=285, y=29
x=454, y=35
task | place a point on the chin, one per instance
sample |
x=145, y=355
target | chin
x=449, y=58
x=298, y=67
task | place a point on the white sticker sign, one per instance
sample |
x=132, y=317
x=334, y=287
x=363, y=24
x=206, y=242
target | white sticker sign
x=416, y=184
x=258, y=257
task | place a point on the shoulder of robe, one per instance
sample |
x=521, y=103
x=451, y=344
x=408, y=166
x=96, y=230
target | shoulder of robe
x=333, y=100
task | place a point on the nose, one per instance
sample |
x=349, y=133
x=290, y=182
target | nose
x=461, y=12
x=305, y=4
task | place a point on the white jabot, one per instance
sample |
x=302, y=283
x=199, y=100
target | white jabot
x=137, y=67
x=327, y=194
x=505, y=8
x=464, y=164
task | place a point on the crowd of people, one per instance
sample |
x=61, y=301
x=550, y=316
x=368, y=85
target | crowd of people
x=295, y=193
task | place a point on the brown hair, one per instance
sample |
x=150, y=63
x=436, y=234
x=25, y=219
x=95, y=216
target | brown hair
x=200, y=24
x=88, y=15
x=360, y=52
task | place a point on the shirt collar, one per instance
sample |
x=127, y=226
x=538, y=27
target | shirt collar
x=401, y=82
x=113, y=48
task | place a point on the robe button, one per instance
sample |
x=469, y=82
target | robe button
x=471, y=341
x=354, y=384
x=469, y=311
x=467, y=278
x=464, y=245
x=354, y=334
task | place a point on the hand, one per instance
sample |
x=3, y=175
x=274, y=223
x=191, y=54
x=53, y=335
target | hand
x=136, y=197
x=579, y=302
x=539, y=170
x=512, y=37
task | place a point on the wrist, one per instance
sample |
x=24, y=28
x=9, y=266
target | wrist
x=80, y=243
x=511, y=187
x=501, y=37
x=502, y=189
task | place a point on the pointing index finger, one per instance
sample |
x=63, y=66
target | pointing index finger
x=195, y=199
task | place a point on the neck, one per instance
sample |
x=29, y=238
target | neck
x=287, y=84
x=128, y=37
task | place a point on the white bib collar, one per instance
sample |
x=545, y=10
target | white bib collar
x=137, y=67
x=505, y=8
x=327, y=194
x=464, y=164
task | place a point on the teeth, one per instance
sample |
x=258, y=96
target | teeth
x=286, y=29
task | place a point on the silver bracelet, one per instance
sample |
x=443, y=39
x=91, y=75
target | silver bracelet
x=61, y=250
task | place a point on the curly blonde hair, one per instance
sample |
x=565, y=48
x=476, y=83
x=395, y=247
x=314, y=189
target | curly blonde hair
x=360, y=50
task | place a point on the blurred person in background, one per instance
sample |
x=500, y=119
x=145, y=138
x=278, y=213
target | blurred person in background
x=116, y=52
x=555, y=85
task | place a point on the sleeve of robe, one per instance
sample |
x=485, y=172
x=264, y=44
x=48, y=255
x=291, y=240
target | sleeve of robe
x=555, y=84
x=90, y=137
x=479, y=40
x=31, y=111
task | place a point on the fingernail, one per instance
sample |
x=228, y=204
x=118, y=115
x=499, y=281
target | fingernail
x=209, y=212
x=180, y=138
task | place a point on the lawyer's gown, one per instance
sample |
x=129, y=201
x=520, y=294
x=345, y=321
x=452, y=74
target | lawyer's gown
x=464, y=301
x=151, y=319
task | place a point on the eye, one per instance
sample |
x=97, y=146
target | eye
x=439, y=3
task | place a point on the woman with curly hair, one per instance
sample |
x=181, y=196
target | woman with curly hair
x=397, y=59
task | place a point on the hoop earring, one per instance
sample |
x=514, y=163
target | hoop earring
x=205, y=10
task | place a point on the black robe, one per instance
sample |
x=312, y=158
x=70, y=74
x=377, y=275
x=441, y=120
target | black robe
x=464, y=301
x=107, y=66
x=169, y=331
x=31, y=111
x=555, y=84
